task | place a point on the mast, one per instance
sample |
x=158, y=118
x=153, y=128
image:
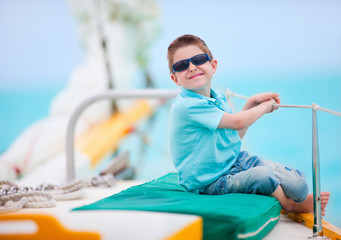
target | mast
x=104, y=48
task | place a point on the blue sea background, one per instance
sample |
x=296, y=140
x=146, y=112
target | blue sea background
x=292, y=48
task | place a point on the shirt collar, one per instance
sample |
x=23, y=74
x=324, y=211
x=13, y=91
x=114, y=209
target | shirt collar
x=215, y=95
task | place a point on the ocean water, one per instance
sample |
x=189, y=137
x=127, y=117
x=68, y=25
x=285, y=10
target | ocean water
x=20, y=107
x=284, y=135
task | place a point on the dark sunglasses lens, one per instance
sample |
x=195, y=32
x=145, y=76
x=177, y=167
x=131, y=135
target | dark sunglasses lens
x=200, y=59
x=181, y=66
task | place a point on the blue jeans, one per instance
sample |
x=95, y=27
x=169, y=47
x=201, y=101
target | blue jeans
x=254, y=175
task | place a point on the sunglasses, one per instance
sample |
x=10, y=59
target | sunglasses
x=182, y=65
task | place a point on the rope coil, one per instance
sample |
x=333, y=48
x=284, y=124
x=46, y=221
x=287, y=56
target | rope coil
x=14, y=198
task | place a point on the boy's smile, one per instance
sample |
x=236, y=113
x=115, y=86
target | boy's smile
x=196, y=78
x=196, y=75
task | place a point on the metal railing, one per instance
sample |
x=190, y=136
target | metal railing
x=111, y=95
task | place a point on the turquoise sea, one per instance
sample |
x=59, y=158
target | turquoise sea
x=21, y=106
x=284, y=135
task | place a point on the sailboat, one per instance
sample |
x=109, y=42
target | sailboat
x=41, y=216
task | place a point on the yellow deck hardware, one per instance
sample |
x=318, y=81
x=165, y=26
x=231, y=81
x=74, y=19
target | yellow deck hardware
x=105, y=136
x=47, y=228
x=193, y=231
x=95, y=225
x=329, y=230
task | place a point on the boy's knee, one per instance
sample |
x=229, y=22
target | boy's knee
x=297, y=188
x=264, y=181
x=297, y=191
x=302, y=190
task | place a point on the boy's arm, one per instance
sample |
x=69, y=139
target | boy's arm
x=255, y=107
x=254, y=101
x=244, y=119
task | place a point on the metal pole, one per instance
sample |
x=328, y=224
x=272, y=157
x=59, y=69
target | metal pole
x=317, y=228
x=111, y=95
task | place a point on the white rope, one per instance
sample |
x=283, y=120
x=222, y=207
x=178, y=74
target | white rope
x=315, y=107
x=14, y=198
x=80, y=194
x=292, y=106
x=232, y=94
x=330, y=111
x=11, y=206
x=15, y=201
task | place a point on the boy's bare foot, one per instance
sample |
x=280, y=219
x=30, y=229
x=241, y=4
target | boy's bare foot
x=324, y=201
x=308, y=204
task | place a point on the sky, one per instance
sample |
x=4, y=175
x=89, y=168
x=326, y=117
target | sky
x=259, y=36
x=40, y=44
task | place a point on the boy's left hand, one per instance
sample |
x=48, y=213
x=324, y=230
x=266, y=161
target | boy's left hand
x=257, y=99
x=262, y=97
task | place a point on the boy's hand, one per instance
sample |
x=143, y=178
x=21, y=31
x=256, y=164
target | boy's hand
x=262, y=97
x=255, y=108
x=259, y=98
x=269, y=105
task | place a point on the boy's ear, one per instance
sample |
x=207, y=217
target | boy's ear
x=214, y=64
x=175, y=79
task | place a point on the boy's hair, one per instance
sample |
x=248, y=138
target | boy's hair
x=183, y=41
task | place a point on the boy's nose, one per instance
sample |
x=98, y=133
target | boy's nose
x=191, y=66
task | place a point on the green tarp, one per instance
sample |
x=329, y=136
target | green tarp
x=230, y=216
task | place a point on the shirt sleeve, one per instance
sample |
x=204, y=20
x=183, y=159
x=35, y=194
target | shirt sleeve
x=205, y=114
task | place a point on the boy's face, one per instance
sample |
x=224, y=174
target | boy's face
x=195, y=78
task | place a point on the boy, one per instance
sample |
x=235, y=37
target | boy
x=205, y=136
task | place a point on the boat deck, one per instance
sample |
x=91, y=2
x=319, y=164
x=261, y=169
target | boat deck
x=123, y=224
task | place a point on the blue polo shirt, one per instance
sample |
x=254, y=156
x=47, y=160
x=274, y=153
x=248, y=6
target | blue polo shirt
x=201, y=152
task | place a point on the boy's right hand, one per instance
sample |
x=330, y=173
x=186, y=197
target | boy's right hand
x=269, y=105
